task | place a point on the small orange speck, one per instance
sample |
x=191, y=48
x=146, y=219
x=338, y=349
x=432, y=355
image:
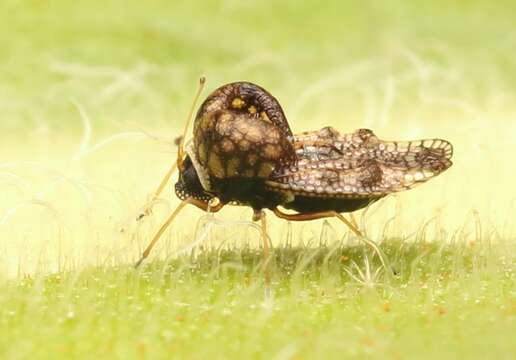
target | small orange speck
x=141, y=347
x=367, y=341
x=386, y=306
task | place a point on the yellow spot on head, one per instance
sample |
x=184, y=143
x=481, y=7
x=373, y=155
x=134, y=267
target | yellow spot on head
x=252, y=109
x=237, y=103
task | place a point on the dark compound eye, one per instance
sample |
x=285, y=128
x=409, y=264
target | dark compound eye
x=189, y=185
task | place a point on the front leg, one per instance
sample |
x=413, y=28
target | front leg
x=205, y=206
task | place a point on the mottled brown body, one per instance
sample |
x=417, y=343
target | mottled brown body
x=243, y=152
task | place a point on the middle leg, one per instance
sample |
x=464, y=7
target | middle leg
x=260, y=215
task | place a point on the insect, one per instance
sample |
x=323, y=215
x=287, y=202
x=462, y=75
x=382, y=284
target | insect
x=243, y=152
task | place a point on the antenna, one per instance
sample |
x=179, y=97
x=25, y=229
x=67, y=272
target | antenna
x=180, y=153
x=180, y=156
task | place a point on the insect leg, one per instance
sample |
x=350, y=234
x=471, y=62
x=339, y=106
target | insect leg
x=353, y=220
x=349, y=224
x=303, y=217
x=368, y=242
x=201, y=205
x=260, y=215
x=318, y=215
x=160, y=232
x=148, y=207
x=180, y=155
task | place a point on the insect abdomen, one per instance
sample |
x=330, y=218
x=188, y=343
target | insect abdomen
x=309, y=204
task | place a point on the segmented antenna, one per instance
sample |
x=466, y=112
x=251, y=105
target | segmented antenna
x=180, y=157
x=180, y=153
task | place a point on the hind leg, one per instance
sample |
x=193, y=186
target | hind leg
x=329, y=214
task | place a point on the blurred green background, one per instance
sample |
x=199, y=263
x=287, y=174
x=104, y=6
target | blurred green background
x=138, y=62
x=93, y=93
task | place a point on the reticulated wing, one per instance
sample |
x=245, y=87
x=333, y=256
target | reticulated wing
x=359, y=165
